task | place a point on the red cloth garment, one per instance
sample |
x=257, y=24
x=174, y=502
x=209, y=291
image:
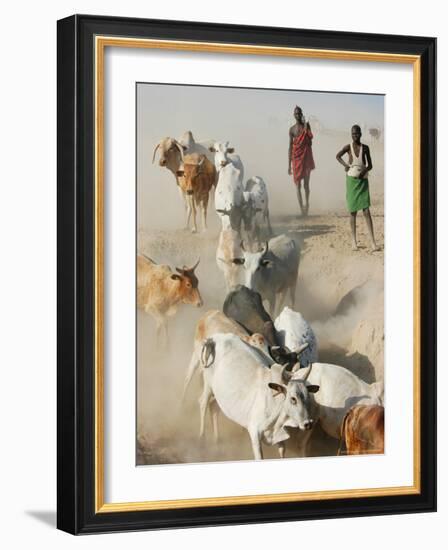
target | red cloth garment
x=302, y=156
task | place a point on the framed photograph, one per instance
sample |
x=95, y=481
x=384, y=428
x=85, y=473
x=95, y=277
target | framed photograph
x=246, y=274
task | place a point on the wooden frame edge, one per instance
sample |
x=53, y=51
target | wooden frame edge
x=101, y=42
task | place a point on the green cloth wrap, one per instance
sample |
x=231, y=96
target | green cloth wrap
x=357, y=193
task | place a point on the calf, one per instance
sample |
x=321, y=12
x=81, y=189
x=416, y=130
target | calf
x=229, y=197
x=196, y=178
x=362, y=430
x=160, y=291
x=256, y=208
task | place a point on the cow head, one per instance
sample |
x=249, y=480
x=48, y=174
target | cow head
x=190, y=169
x=171, y=153
x=298, y=410
x=256, y=265
x=188, y=291
x=222, y=152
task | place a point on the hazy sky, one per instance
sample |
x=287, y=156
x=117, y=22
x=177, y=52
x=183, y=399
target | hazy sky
x=256, y=122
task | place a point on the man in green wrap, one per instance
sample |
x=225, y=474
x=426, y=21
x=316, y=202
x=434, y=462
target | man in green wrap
x=357, y=184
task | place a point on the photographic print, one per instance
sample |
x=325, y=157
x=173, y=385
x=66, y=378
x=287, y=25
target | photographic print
x=260, y=276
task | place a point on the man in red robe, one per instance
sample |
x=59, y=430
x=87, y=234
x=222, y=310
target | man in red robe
x=300, y=157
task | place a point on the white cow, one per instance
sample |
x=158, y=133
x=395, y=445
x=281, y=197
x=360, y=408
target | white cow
x=265, y=401
x=215, y=322
x=229, y=247
x=340, y=389
x=256, y=208
x=272, y=270
x=229, y=197
x=293, y=331
x=223, y=155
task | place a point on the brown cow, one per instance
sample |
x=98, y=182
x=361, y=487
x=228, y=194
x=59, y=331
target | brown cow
x=216, y=322
x=196, y=177
x=160, y=291
x=362, y=430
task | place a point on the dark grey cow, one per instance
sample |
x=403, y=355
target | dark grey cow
x=272, y=270
x=246, y=307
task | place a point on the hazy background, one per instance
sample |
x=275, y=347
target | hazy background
x=339, y=292
x=256, y=123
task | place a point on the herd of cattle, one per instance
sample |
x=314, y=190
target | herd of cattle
x=259, y=366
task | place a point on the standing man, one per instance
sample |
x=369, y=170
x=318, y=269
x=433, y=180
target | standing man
x=300, y=155
x=357, y=184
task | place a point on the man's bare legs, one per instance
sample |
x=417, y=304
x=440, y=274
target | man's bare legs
x=299, y=197
x=306, y=186
x=353, y=228
x=369, y=223
x=368, y=218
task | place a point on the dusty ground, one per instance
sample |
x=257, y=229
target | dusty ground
x=339, y=291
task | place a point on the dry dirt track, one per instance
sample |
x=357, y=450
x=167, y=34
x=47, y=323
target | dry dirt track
x=339, y=291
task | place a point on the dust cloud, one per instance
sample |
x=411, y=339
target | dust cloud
x=339, y=291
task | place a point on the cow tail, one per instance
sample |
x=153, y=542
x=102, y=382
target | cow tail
x=342, y=445
x=208, y=351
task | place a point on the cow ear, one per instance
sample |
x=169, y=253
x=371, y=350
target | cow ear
x=312, y=388
x=266, y=263
x=176, y=277
x=277, y=388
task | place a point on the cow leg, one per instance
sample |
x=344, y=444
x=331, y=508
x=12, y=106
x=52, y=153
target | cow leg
x=161, y=332
x=204, y=213
x=304, y=440
x=256, y=444
x=203, y=406
x=193, y=208
x=189, y=211
x=292, y=292
x=281, y=449
x=182, y=195
x=194, y=363
x=214, y=409
x=268, y=219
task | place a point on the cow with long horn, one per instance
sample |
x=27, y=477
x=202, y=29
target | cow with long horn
x=272, y=270
x=160, y=291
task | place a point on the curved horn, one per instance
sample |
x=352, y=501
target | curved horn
x=307, y=373
x=302, y=348
x=179, y=146
x=154, y=154
x=286, y=374
x=265, y=248
x=194, y=267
